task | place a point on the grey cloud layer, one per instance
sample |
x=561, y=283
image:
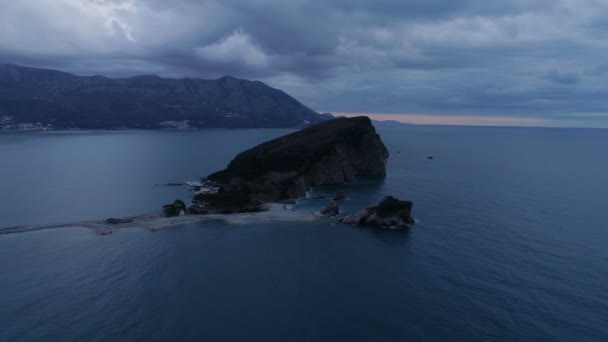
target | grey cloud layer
x=535, y=58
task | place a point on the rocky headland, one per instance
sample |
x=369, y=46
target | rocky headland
x=329, y=153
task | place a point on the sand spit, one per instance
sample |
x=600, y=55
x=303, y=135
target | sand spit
x=155, y=221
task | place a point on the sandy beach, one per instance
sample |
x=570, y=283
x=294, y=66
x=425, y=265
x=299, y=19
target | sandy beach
x=155, y=221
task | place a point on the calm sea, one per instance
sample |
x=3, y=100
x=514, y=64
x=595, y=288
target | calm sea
x=511, y=243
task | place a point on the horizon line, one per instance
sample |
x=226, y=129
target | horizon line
x=471, y=120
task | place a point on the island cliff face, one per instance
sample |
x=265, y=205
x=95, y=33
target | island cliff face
x=332, y=152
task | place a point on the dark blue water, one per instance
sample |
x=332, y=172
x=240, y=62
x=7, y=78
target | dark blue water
x=73, y=176
x=512, y=243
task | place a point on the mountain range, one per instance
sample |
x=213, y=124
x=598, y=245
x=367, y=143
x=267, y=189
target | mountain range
x=32, y=98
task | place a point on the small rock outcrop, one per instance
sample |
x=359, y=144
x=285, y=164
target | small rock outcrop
x=177, y=208
x=390, y=213
x=115, y=221
x=332, y=152
x=332, y=209
x=339, y=196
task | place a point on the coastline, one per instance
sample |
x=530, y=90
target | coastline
x=156, y=221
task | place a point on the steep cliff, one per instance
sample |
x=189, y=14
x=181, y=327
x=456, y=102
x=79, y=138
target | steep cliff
x=332, y=152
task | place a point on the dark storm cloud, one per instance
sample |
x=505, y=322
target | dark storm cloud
x=519, y=58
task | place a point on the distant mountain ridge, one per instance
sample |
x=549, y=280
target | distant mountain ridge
x=41, y=98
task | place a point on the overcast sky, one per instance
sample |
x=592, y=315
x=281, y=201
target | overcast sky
x=520, y=62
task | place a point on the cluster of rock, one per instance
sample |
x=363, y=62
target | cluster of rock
x=390, y=213
x=333, y=209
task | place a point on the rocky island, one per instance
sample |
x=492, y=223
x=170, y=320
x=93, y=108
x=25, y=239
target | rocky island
x=332, y=152
x=329, y=153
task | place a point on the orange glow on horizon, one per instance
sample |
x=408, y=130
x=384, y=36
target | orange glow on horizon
x=457, y=120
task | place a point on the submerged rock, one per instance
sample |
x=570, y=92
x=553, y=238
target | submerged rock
x=174, y=184
x=332, y=152
x=390, y=213
x=177, y=208
x=340, y=196
x=332, y=209
x=357, y=218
